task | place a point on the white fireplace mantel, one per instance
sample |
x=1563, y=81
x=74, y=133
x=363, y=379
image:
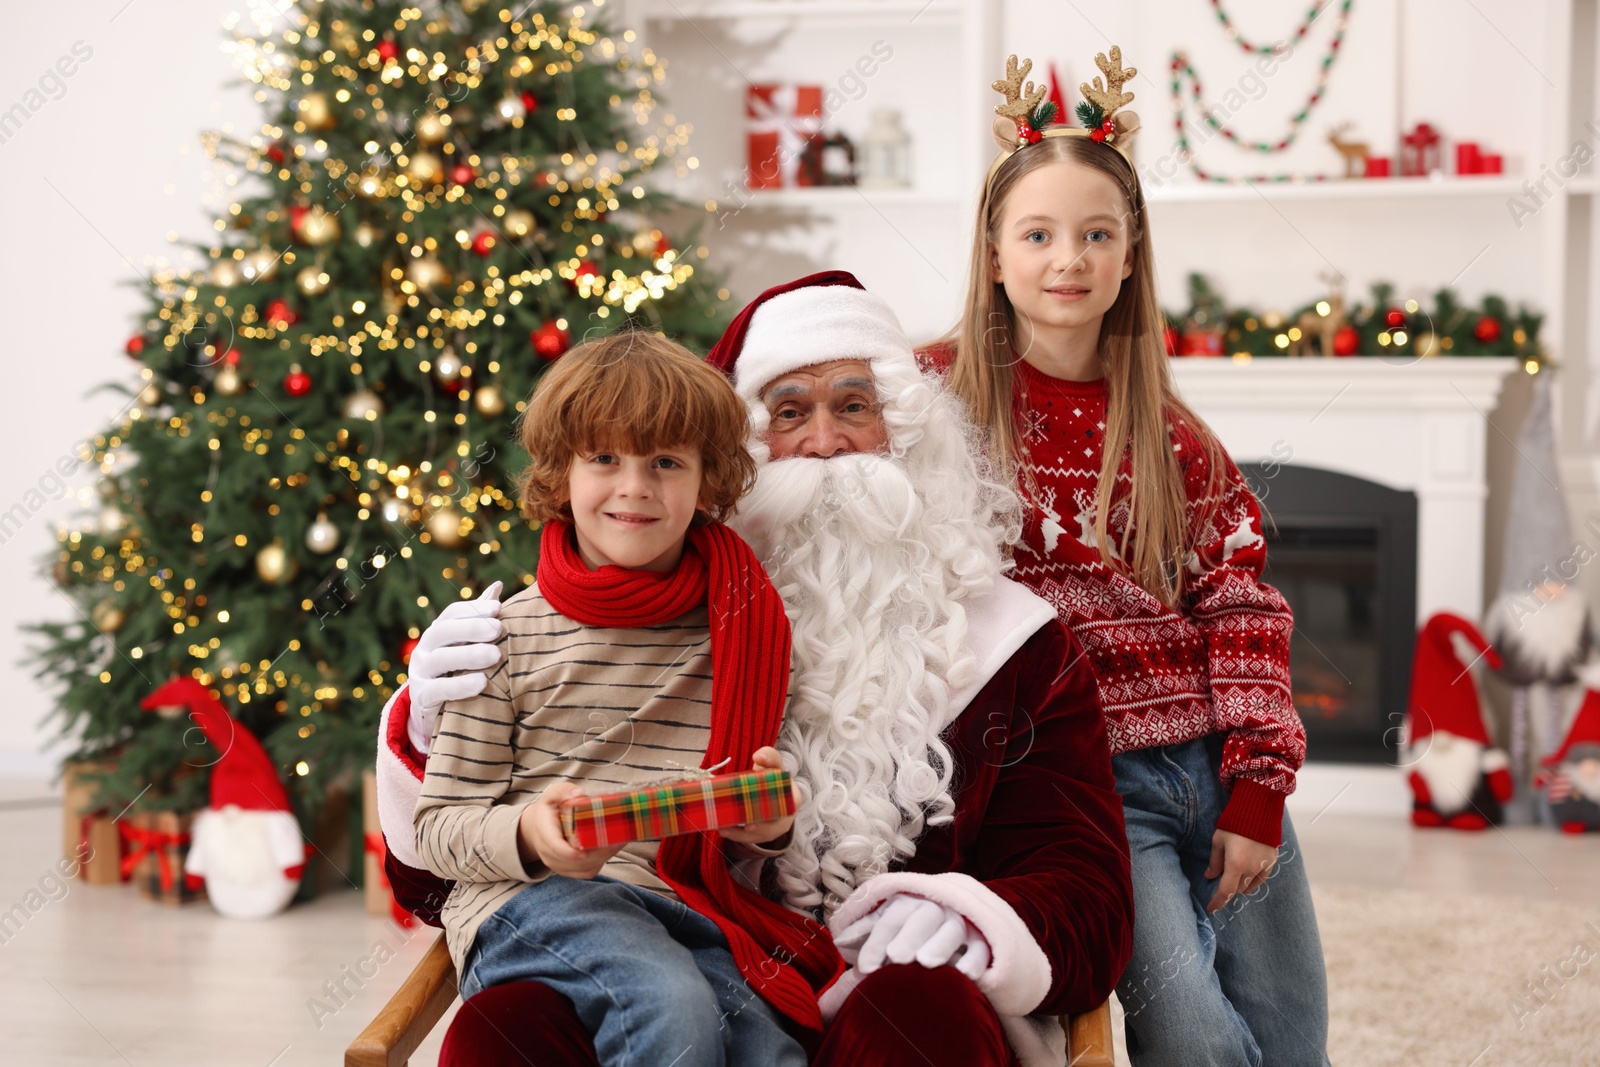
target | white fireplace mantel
x=1418, y=425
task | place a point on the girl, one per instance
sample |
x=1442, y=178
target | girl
x=1150, y=547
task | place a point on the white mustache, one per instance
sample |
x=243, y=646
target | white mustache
x=874, y=490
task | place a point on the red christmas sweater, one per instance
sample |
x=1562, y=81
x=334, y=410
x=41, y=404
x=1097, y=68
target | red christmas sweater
x=1219, y=661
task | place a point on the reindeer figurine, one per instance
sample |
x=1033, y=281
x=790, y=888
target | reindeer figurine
x=1352, y=152
x=1324, y=327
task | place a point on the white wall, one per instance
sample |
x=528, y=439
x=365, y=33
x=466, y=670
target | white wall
x=94, y=182
x=90, y=186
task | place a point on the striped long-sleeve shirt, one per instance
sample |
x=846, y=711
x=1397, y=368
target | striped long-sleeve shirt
x=610, y=709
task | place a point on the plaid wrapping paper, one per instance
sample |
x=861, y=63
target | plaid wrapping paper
x=677, y=808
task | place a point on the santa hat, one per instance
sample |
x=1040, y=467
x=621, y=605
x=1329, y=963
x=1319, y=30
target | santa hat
x=1444, y=696
x=245, y=775
x=1539, y=527
x=1585, y=730
x=816, y=319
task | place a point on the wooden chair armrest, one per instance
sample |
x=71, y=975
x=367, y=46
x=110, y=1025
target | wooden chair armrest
x=425, y=995
x=1089, y=1038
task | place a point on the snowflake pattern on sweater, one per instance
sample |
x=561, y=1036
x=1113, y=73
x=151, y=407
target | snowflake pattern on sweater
x=1219, y=661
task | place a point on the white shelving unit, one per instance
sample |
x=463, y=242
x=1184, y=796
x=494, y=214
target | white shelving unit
x=1490, y=186
x=907, y=245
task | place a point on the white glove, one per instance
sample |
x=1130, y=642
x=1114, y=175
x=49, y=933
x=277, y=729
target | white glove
x=460, y=639
x=907, y=928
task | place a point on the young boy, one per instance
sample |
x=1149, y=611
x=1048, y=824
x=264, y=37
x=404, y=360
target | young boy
x=652, y=642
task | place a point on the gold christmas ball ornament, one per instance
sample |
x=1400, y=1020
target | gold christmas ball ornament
x=518, y=223
x=322, y=536
x=224, y=273
x=318, y=226
x=366, y=235
x=274, y=564
x=447, y=368
x=107, y=617
x=444, y=527
x=151, y=395
x=424, y=169
x=426, y=272
x=363, y=404
x=431, y=128
x=312, y=280
x=644, y=243
x=228, y=381
x=1425, y=344
x=260, y=265
x=489, y=400
x=316, y=111
x=511, y=108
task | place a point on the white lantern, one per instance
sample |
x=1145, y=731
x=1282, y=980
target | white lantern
x=884, y=152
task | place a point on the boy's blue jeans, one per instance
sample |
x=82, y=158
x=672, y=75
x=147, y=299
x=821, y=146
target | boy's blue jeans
x=651, y=979
x=1245, y=986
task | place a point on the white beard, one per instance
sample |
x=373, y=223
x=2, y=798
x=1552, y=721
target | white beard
x=1451, y=766
x=1544, y=636
x=873, y=568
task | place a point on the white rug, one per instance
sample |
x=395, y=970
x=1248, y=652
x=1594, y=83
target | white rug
x=1422, y=980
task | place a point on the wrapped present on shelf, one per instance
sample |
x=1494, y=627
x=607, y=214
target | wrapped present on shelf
x=155, y=845
x=377, y=896
x=683, y=807
x=780, y=120
x=89, y=838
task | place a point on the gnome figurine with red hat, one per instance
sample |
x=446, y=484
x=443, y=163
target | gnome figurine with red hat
x=246, y=846
x=1571, y=776
x=1457, y=777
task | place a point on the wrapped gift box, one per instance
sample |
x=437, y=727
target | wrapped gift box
x=677, y=808
x=780, y=120
x=155, y=845
x=89, y=836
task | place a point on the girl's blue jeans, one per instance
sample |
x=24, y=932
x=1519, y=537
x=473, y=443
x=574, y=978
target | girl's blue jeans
x=1243, y=987
x=650, y=978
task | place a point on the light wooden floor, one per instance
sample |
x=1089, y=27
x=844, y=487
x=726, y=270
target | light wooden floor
x=100, y=976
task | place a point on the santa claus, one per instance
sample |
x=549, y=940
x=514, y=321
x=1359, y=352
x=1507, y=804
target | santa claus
x=1458, y=778
x=245, y=847
x=960, y=833
x=1571, y=776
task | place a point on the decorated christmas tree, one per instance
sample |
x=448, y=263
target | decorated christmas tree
x=320, y=451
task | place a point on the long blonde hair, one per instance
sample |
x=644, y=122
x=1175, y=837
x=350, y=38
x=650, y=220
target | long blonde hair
x=1140, y=399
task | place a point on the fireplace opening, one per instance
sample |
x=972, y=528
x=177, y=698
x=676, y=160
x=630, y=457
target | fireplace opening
x=1343, y=552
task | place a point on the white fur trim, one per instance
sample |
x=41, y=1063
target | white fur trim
x=1037, y=1040
x=1494, y=760
x=1019, y=973
x=399, y=785
x=997, y=626
x=817, y=324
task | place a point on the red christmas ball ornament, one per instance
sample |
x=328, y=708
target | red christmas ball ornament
x=1170, y=337
x=275, y=152
x=1395, y=319
x=663, y=246
x=530, y=102
x=134, y=347
x=297, y=212
x=388, y=50
x=296, y=383
x=485, y=240
x=462, y=174
x=550, y=341
x=408, y=646
x=586, y=272
x=1487, y=330
x=228, y=358
x=1346, y=340
x=278, y=313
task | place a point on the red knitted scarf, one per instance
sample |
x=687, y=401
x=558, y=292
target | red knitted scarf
x=784, y=956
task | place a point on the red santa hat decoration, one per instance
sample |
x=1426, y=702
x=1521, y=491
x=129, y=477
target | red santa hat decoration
x=1457, y=777
x=246, y=846
x=816, y=319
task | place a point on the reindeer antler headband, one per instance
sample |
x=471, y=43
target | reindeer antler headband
x=1027, y=118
